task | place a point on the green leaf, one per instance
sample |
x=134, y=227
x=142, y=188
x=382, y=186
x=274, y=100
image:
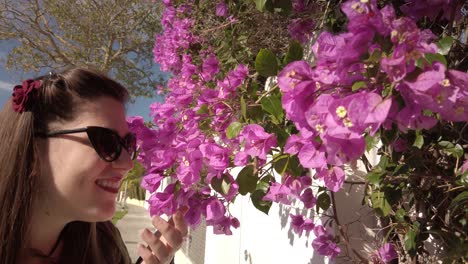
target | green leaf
x=272, y=105
x=433, y=57
x=222, y=185
x=294, y=167
x=257, y=200
x=445, y=44
x=281, y=164
x=460, y=199
x=358, y=85
x=400, y=215
x=380, y=203
x=371, y=141
x=255, y=112
x=233, y=130
x=446, y=144
x=375, y=177
x=375, y=57
x=260, y=4
x=410, y=240
x=203, y=110
x=295, y=52
x=383, y=163
x=247, y=180
x=280, y=132
x=204, y=124
x=400, y=168
x=427, y=112
x=289, y=164
x=243, y=108
x=421, y=63
x=456, y=151
x=323, y=201
x=419, y=141
x=266, y=63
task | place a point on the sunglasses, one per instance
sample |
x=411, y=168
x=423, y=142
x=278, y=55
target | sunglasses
x=106, y=142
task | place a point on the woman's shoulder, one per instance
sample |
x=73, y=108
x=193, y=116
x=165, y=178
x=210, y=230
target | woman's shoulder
x=109, y=240
x=107, y=227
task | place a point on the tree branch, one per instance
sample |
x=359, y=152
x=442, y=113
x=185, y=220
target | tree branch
x=343, y=234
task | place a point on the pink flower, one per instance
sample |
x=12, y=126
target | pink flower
x=464, y=167
x=241, y=158
x=294, y=73
x=221, y=9
x=308, y=198
x=301, y=29
x=224, y=226
x=323, y=243
x=299, y=224
x=257, y=142
x=312, y=155
x=417, y=9
x=333, y=178
x=152, y=181
x=210, y=67
x=163, y=202
x=218, y=157
x=387, y=253
x=278, y=193
x=400, y=145
x=215, y=212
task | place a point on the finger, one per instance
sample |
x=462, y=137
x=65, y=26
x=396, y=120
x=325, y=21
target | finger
x=172, y=235
x=158, y=248
x=146, y=255
x=179, y=221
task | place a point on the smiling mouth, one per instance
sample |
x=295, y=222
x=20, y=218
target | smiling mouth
x=107, y=185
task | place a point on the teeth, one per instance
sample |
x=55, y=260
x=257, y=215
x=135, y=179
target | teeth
x=109, y=184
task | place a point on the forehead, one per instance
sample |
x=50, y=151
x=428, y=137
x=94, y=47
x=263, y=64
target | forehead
x=103, y=112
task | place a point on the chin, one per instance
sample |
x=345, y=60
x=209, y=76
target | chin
x=101, y=214
x=108, y=213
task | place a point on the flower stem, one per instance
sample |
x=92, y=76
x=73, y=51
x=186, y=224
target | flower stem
x=342, y=233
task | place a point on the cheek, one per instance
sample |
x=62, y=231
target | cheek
x=72, y=165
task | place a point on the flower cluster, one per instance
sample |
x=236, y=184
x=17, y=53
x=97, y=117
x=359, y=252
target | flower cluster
x=180, y=147
x=332, y=114
x=381, y=74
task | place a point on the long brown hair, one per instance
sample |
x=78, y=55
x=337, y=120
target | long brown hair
x=58, y=99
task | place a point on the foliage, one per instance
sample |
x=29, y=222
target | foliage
x=131, y=184
x=377, y=76
x=115, y=37
x=119, y=214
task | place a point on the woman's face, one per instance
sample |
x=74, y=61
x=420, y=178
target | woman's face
x=76, y=183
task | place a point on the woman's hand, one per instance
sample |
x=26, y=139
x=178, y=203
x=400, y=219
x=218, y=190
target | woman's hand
x=163, y=244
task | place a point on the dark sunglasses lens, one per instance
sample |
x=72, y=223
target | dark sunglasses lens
x=105, y=142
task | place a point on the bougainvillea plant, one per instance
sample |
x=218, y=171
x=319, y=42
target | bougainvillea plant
x=302, y=89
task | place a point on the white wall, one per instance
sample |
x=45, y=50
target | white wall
x=268, y=239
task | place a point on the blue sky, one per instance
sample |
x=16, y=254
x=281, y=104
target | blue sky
x=8, y=79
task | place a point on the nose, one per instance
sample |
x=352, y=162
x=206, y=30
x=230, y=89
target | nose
x=124, y=162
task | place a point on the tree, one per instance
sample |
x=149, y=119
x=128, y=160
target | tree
x=114, y=36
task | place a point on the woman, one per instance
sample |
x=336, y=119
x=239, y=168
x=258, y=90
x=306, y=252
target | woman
x=65, y=147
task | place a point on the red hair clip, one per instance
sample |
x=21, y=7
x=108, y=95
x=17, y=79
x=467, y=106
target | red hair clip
x=23, y=95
